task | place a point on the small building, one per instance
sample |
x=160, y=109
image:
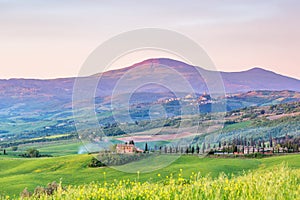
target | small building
x=127, y=148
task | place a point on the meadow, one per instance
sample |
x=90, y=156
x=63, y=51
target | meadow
x=279, y=183
x=19, y=173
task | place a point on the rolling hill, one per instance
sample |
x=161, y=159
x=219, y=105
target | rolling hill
x=33, y=106
x=30, y=173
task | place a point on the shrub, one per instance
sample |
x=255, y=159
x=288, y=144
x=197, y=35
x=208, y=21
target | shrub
x=25, y=193
x=33, y=153
x=14, y=148
x=113, y=159
x=95, y=163
x=40, y=191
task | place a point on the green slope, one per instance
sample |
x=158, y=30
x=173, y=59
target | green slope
x=16, y=174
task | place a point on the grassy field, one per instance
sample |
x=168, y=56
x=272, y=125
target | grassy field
x=18, y=173
x=55, y=148
x=280, y=183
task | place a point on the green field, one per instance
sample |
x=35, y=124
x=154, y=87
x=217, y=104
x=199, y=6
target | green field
x=280, y=183
x=54, y=148
x=18, y=173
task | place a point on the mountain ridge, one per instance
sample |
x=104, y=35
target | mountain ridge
x=243, y=81
x=155, y=60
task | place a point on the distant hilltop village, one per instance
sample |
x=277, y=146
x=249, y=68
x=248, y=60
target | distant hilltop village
x=191, y=98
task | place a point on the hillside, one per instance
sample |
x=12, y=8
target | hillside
x=282, y=180
x=71, y=170
x=61, y=89
x=34, y=108
x=242, y=108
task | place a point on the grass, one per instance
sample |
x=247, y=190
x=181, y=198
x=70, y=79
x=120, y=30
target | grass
x=55, y=148
x=279, y=183
x=51, y=136
x=236, y=126
x=18, y=173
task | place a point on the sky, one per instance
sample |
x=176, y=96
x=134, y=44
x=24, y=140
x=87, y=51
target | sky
x=51, y=39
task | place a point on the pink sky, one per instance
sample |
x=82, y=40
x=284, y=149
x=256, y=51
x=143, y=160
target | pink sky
x=40, y=39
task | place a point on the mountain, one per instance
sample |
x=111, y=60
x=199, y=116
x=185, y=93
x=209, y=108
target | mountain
x=164, y=70
x=250, y=80
x=164, y=76
x=31, y=105
x=258, y=79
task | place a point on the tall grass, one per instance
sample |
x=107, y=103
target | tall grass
x=280, y=182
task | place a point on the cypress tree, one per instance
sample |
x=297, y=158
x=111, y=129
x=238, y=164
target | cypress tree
x=193, y=149
x=197, y=149
x=146, y=147
x=203, y=147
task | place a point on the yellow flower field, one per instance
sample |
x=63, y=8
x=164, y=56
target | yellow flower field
x=279, y=183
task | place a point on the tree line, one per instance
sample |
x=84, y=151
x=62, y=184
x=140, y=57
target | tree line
x=241, y=145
